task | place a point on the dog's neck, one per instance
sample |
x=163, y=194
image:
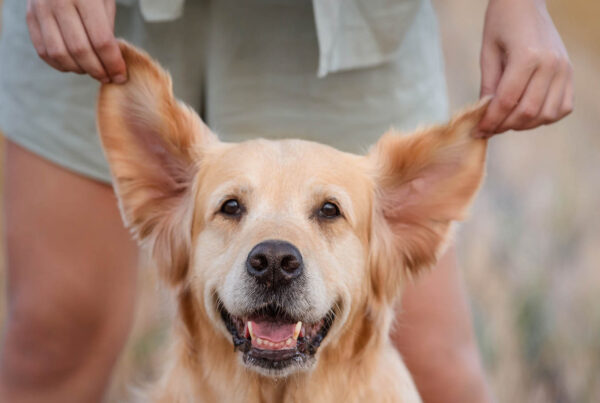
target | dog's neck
x=201, y=357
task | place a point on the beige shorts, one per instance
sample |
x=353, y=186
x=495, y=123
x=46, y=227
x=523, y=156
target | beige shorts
x=249, y=68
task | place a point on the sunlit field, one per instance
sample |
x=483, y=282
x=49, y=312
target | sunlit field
x=530, y=251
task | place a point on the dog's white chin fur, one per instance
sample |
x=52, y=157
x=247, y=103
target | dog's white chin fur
x=277, y=374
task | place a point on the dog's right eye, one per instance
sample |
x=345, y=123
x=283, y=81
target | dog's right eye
x=329, y=210
x=231, y=207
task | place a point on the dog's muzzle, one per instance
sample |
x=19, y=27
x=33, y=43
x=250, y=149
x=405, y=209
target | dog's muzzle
x=276, y=333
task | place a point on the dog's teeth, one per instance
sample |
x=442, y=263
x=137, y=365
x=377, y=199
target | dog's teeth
x=250, y=332
x=288, y=342
x=297, y=330
x=259, y=341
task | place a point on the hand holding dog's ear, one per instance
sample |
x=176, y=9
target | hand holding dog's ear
x=77, y=36
x=525, y=65
x=424, y=182
x=152, y=143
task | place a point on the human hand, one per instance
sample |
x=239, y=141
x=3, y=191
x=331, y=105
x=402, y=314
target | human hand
x=525, y=66
x=77, y=36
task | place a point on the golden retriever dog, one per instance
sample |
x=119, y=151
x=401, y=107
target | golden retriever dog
x=286, y=258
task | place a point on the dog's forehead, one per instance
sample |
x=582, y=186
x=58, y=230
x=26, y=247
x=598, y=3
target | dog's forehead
x=263, y=163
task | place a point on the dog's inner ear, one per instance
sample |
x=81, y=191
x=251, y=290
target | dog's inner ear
x=153, y=144
x=424, y=182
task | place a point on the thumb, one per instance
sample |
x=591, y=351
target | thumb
x=491, y=68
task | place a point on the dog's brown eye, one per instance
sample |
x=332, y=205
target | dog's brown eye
x=231, y=207
x=329, y=210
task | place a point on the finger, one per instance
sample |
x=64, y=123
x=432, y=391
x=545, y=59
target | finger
x=78, y=43
x=35, y=33
x=491, y=69
x=551, y=110
x=99, y=31
x=56, y=51
x=111, y=12
x=568, y=100
x=512, y=85
x=527, y=111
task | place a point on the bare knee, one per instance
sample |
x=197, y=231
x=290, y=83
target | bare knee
x=46, y=342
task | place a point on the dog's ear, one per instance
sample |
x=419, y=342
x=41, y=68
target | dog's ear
x=424, y=181
x=153, y=144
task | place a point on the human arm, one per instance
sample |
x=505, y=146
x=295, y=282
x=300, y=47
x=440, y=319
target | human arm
x=525, y=66
x=77, y=36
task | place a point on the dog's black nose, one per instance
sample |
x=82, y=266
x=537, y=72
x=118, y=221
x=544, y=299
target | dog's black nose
x=274, y=263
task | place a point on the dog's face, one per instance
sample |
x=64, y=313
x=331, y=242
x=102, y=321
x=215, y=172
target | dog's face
x=280, y=245
x=279, y=242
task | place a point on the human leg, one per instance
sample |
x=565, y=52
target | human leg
x=71, y=283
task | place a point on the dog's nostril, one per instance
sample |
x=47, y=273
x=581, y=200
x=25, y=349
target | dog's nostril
x=290, y=263
x=259, y=262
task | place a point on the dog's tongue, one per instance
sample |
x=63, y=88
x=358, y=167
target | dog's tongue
x=267, y=335
x=273, y=331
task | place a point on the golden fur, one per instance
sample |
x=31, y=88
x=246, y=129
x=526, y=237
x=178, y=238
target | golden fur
x=399, y=201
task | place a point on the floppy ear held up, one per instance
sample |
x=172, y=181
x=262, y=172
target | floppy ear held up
x=424, y=182
x=153, y=144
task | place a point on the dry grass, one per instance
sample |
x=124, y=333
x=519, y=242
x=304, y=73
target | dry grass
x=531, y=248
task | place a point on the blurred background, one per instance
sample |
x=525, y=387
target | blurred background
x=530, y=251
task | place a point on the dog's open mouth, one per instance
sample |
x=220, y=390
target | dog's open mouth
x=272, y=339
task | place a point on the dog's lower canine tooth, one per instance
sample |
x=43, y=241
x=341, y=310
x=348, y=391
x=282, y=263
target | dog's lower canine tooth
x=297, y=330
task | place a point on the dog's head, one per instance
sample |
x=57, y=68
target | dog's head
x=280, y=245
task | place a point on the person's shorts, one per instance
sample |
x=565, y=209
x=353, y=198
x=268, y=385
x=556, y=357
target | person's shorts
x=249, y=68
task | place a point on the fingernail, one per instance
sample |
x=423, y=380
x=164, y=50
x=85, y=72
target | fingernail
x=119, y=79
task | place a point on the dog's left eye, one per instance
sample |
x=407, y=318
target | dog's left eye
x=231, y=207
x=329, y=210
